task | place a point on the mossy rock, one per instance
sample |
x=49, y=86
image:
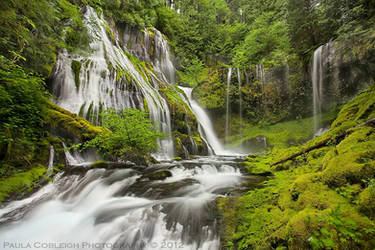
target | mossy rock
x=76, y=67
x=99, y=164
x=20, y=183
x=158, y=175
x=367, y=201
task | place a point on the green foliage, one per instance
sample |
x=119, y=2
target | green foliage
x=22, y=112
x=126, y=133
x=267, y=43
x=21, y=182
x=32, y=31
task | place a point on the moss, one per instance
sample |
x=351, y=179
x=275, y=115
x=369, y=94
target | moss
x=177, y=158
x=76, y=67
x=99, y=164
x=19, y=183
x=228, y=207
x=90, y=111
x=70, y=124
x=159, y=175
x=323, y=199
x=367, y=201
x=284, y=134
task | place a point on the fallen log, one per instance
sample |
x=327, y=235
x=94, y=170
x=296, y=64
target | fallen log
x=325, y=142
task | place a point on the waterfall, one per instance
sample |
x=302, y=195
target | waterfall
x=227, y=105
x=240, y=90
x=162, y=58
x=50, y=160
x=260, y=73
x=205, y=124
x=108, y=78
x=321, y=66
x=317, y=83
x=70, y=159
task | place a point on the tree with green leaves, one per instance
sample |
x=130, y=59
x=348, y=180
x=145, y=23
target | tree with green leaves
x=127, y=134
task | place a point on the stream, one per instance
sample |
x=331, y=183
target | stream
x=125, y=209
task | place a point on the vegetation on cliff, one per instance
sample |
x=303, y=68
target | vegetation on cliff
x=126, y=135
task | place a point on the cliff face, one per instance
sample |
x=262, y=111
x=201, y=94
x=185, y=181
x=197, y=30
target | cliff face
x=125, y=68
x=342, y=69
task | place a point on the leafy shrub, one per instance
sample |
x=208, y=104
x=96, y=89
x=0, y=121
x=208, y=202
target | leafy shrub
x=127, y=133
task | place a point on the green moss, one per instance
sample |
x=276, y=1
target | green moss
x=228, y=207
x=284, y=134
x=58, y=118
x=76, y=67
x=322, y=199
x=367, y=200
x=19, y=183
x=99, y=164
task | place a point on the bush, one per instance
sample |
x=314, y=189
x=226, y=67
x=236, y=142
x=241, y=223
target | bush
x=127, y=134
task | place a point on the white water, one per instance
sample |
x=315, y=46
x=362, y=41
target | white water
x=227, y=118
x=240, y=90
x=50, y=160
x=205, y=124
x=113, y=207
x=103, y=85
x=260, y=73
x=317, y=83
x=322, y=60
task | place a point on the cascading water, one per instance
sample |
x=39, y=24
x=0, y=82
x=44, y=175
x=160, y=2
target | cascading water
x=51, y=159
x=123, y=209
x=205, y=124
x=229, y=77
x=240, y=96
x=107, y=78
x=317, y=82
x=260, y=73
x=322, y=61
x=324, y=95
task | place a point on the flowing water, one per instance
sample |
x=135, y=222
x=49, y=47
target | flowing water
x=107, y=78
x=205, y=125
x=227, y=118
x=321, y=63
x=317, y=83
x=126, y=208
x=110, y=209
x=240, y=91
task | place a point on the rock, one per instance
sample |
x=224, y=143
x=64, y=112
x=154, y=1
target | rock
x=158, y=175
x=99, y=164
x=256, y=144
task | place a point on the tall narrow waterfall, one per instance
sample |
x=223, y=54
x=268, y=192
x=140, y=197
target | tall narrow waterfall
x=205, y=124
x=227, y=115
x=107, y=78
x=240, y=90
x=317, y=84
x=324, y=95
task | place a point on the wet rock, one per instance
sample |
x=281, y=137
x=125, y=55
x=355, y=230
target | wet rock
x=256, y=144
x=158, y=175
